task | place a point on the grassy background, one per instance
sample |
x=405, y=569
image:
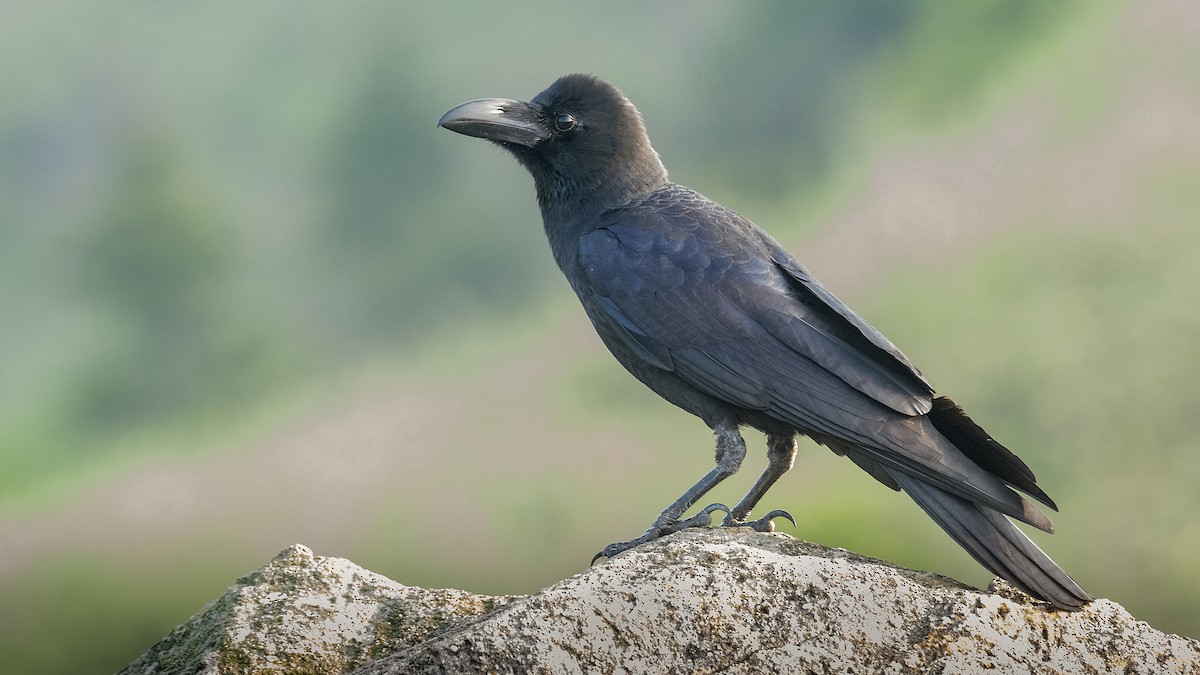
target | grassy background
x=252, y=296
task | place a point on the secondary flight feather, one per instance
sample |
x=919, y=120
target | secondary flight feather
x=710, y=312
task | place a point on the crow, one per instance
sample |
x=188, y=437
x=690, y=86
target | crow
x=711, y=313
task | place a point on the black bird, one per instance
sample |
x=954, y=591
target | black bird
x=710, y=312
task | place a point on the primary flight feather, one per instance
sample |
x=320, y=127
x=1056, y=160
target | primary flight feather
x=710, y=312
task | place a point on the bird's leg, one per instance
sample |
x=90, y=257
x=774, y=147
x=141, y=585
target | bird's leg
x=781, y=453
x=731, y=450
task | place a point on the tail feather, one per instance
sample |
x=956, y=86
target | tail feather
x=979, y=446
x=996, y=544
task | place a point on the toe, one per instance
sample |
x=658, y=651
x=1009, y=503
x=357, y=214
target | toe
x=702, y=519
x=764, y=524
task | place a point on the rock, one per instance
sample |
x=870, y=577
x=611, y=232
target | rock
x=699, y=601
x=305, y=614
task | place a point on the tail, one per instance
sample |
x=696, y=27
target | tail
x=995, y=543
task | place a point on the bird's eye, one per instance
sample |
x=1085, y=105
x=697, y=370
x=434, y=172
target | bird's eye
x=564, y=122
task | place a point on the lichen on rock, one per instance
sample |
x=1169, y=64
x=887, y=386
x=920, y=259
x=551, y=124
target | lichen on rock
x=704, y=600
x=303, y=614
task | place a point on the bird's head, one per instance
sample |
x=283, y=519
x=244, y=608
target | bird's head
x=582, y=140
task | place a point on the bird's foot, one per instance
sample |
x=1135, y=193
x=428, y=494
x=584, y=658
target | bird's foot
x=702, y=519
x=764, y=524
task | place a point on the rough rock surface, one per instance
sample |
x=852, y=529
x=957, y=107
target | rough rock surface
x=700, y=601
x=305, y=614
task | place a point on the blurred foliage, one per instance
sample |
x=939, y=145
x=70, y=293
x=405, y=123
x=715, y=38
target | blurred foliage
x=220, y=224
x=990, y=38
x=772, y=111
x=1081, y=340
x=154, y=260
x=215, y=213
x=108, y=612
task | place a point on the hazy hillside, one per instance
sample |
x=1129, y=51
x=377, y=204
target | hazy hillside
x=253, y=296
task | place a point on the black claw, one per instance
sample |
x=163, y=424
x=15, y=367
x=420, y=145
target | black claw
x=764, y=524
x=702, y=519
x=779, y=513
x=618, y=548
x=716, y=507
x=615, y=549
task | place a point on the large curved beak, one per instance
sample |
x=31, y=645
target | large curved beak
x=498, y=119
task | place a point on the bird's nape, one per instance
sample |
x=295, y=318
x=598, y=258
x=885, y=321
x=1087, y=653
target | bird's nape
x=707, y=310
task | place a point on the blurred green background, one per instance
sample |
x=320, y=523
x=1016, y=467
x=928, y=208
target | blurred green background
x=251, y=295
